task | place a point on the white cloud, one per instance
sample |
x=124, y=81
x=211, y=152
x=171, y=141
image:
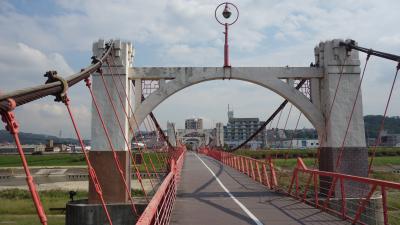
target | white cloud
x=178, y=32
x=22, y=65
x=44, y=116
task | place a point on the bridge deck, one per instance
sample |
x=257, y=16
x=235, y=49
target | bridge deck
x=203, y=200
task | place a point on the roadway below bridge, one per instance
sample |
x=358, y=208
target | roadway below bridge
x=213, y=193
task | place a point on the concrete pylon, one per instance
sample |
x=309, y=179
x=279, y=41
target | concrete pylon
x=219, y=134
x=336, y=60
x=101, y=154
x=171, y=133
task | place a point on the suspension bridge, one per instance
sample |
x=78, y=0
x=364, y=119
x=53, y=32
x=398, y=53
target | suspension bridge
x=211, y=185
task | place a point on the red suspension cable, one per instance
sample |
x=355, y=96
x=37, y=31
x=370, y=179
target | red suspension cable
x=116, y=160
x=378, y=138
x=287, y=119
x=152, y=126
x=277, y=129
x=295, y=129
x=92, y=172
x=12, y=127
x=351, y=116
x=122, y=130
x=129, y=124
x=137, y=125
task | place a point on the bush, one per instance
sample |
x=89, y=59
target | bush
x=307, y=153
x=15, y=194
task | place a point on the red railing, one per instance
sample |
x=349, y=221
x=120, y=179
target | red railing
x=259, y=170
x=159, y=209
x=361, y=200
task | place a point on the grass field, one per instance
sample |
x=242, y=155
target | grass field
x=309, y=153
x=17, y=207
x=69, y=160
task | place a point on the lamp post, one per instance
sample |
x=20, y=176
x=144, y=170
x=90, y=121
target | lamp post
x=226, y=20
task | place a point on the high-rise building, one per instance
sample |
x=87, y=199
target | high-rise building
x=238, y=130
x=194, y=124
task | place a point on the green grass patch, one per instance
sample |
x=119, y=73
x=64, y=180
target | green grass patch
x=390, y=176
x=393, y=201
x=43, y=160
x=17, y=206
x=150, y=159
x=31, y=219
x=74, y=160
x=308, y=153
x=386, y=160
x=19, y=202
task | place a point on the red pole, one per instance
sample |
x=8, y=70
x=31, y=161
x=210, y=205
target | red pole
x=226, y=48
x=316, y=190
x=384, y=205
x=343, y=194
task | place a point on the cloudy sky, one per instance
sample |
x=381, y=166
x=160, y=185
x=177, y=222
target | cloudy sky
x=40, y=35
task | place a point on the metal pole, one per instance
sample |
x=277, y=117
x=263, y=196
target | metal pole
x=226, y=48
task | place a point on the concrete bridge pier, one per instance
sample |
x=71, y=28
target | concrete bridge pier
x=101, y=156
x=354, y=160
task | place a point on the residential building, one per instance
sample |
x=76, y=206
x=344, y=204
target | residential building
x=194, y=124
x=238, y=130
x=389, y=140
x=296, y=144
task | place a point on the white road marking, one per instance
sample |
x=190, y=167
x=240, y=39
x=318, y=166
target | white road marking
x=246, y=210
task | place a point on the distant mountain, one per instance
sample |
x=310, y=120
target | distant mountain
x=29, y=138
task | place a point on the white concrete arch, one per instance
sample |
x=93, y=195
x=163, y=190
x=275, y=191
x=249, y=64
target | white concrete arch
x=265, y=77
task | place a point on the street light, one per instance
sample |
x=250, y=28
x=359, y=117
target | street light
x=226, y=21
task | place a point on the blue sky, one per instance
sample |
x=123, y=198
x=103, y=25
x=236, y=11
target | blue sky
x=37, y=36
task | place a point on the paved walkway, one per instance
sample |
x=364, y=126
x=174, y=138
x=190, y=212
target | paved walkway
x=235, y=199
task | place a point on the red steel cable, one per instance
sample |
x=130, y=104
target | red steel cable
x=154, y=129
x=287, y=119
x=116, y=160
x=338, y=160
x=130, y=127
x=295, y=129
x=276, y=128
x=351, y=115
x=336, y=91
x=333, y=184
x=137, y=125
x=122, y=130
x=12, y=127
x=129, y=124
x=378, y=138
x=163, y=157
x=92, y=172
x=151, y=161
x=328, y=116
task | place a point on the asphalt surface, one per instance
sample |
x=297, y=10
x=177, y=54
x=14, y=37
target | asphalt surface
x=235, y=199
